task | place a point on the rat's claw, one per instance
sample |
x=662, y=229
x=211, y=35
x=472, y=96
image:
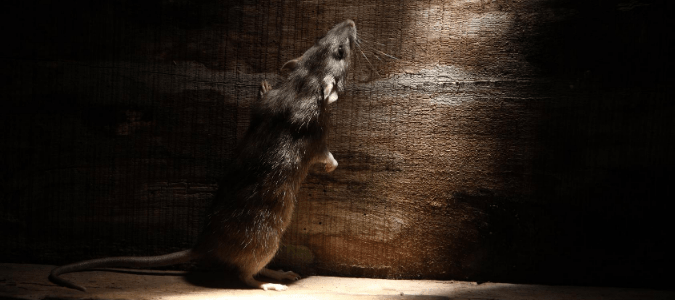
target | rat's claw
x=280, y=275
x=290, y=275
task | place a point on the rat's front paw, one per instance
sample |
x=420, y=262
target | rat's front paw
x=330, y=167
x=264, y=88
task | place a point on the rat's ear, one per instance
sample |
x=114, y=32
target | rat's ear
x=290, y=65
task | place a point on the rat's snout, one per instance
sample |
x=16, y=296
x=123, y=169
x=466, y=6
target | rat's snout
x=350, y=26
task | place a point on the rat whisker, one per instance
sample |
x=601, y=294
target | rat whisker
x=385, y=54
x=357, y=40
x=373, y=42
x=371, y=47
x=377, y=56
x=364, y=56
x=372, y=52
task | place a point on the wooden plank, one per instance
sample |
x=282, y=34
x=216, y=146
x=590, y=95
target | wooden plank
x=25, y=281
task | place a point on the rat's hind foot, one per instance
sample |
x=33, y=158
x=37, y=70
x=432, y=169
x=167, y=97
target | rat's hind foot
x=263, y=285
x=280, y=275
x=273, y=287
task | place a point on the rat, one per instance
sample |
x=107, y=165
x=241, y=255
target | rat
x=255, y=199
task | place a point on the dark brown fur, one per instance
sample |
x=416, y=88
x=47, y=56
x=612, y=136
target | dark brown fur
x=255, y=201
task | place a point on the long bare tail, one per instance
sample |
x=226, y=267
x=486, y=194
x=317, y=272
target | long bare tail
x=122, y=262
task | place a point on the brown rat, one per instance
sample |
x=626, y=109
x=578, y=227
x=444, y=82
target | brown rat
x=255, y=201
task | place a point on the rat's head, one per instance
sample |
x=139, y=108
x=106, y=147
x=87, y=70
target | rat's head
x=328, y=60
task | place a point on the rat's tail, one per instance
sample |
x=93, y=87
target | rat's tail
x=123, y=262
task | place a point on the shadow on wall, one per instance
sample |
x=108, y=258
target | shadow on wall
x=517, y=142
x=600, y=160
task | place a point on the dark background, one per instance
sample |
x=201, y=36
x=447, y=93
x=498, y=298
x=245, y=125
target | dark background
x=510, y=141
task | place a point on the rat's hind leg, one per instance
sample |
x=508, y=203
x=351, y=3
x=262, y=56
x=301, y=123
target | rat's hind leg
x=249, y=265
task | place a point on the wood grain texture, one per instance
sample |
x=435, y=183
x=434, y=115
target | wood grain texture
x=519, y=141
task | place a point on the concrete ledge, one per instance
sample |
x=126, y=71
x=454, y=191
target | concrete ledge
x=23, y=281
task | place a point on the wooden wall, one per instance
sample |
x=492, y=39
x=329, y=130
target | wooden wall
x=503, y=140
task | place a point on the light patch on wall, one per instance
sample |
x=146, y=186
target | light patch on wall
x=436, y=22
x=373, y=227
x=434, y=79
x=429, y=20
x=487, y=24
x=446, y=99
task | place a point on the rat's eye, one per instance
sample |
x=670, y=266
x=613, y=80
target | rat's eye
x=340, y=52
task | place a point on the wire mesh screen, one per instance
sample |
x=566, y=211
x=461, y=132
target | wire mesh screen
x=483, y=140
